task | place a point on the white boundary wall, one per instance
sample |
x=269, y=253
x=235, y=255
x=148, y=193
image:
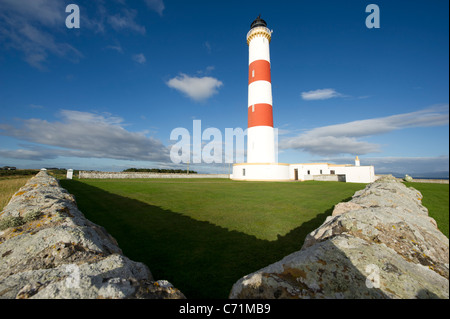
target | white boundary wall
x=261, y=172
x=105, y=175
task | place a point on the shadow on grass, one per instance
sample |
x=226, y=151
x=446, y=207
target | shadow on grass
x=201, y=259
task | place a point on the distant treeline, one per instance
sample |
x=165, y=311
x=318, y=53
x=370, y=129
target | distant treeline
x=18, y=172
x=158, y=170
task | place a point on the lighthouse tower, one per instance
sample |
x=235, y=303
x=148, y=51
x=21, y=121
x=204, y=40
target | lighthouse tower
x=261, y=156
x=260, y=136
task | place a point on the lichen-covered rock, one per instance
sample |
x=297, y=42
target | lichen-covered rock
x=381, y=244
x=53, y=251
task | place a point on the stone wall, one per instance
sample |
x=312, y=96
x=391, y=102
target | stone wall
x=329, y=178
x=433, y=181
x=48, y=249
x=381, y=244
x=104, y=175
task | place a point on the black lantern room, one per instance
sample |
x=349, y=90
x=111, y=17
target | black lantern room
x=258, y=23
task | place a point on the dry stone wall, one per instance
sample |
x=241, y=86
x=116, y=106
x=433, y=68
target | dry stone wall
x=105, y=175
x=433, y=181
x=48, y=249
x=381, y=244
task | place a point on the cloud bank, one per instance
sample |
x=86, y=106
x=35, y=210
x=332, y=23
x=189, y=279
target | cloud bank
x=36, y=28
x=82, y=134
x=345, y=138
x=23, y=26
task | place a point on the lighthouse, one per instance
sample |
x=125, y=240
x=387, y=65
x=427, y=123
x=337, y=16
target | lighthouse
x=262, y=162
x=261, y=153
x=260, y=134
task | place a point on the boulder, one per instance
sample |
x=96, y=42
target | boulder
x=381, y=244
x=49, y=249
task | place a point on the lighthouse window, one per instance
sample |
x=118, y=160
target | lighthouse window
x=309, y=172
x=320, y=172
x=253, y=73
x=243, y=172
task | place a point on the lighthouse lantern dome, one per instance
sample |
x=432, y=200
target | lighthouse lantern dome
x=258, y=23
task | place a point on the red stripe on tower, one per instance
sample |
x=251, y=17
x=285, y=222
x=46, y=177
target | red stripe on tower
x=260, y=115
x=259, y=70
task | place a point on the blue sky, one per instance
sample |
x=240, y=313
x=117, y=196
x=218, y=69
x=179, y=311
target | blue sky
x=107, y=96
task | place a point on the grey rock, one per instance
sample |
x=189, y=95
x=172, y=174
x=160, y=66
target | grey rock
x=58, y=253
x=381, y=244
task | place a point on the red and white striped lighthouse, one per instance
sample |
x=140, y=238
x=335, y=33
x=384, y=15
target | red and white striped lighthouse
x=262, y=162
x=260, y=134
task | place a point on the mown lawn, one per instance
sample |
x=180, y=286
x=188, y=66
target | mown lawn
x=203, y=235
x=436, y=199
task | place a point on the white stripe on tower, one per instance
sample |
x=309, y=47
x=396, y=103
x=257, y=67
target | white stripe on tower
x=260, y=136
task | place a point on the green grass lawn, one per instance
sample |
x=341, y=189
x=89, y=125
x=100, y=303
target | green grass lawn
x=435, y=198
x=204, y=234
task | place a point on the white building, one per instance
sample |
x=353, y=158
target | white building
x=303, y=172
x=261, y=164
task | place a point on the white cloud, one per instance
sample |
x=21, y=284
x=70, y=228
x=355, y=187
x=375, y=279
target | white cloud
x=321, y=94
x=117, y=48
x=207, y=46
x=23, y=26
x=432, y=116
x=197, y=88
x=207, y=71
x=139, y=58
x=82, y=134
x=344, y=138
x=46, y=12
x=126, y=20
x=156, y=5
x=87, y=117
x=36, y=106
